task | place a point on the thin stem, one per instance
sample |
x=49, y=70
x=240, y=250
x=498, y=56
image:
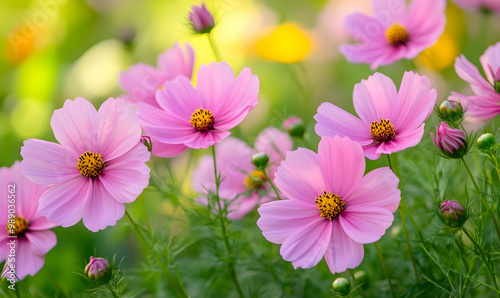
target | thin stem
x=217, y=55
x=147, y=221
x=53, y=280
x=112, y=291
x=356, y=283
x=385, y=269
x=232, y=269
x=179, y=288
x=482, y=255
x=403, y=224
x=482, y=198
x=496, y=164
x=272, y=185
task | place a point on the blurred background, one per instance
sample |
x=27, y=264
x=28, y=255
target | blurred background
x=53, y=50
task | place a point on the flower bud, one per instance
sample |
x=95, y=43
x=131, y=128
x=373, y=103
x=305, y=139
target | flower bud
x=452, y=142
x=295, y=126
x=454, y=215
x=147, y=142
x=98, y=269
x=362, y=279
x=260, y=159
x=486, y=142
x=451, y=112
x=201, y=19
x=342, y=286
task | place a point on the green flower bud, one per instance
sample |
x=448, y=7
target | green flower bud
x=147, y=142
x=451, y=112
x=295, y=127
x=342, y=286
x=486, y=142
x=260, y=159
x=454, y=215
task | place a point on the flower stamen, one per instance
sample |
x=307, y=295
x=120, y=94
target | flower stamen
x=382, y=131
x=330, y=205
x=21, y=225
x=255, y=180
x=396, y=35
x=90, y=164
x=202, y=120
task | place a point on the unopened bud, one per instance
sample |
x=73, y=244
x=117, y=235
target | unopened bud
x=342, y=286
x=98, y=270
x=452, y=142
x=486, y=142
x=451, y=112
x=201, y=19
x=260, y=160
x=454, y=215
x=147, y=142
x=294, y=126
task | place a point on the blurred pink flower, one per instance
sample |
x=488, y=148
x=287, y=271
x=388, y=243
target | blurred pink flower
x=201, y=117
x=332, y=209
x=141, y=81
x=99, y=165
x=390, y=120
x=485, y=104
x=242, y=183
x=451, y=142
x=395, y=31
x=474, y=5
x=201, y=19
x=34, y=239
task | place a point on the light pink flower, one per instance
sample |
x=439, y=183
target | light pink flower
x=332, y=208
x=485, y=104
x=242, y=183
x=474, y=5
x=99, y=165
x=34, y=238
x=141, y=81
x=201, y=117
x=395, y=31
x=390, y=120
x=452, y=142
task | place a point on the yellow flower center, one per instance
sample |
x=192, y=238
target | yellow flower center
x=202, y=120
x=19, y=227
x=382, y=131
x=330, y=205
x=396, y=35
x=90, y=164
x=255, y=180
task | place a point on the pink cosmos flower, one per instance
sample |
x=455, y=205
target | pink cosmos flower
x=395, y=31
x=201, y=19
x=390, y=120
x=451, y=142
x=332, y=208
x=99, y=165
x=485, y=104
x=33, y=236
x=475, y=5
x=141, y=81
x=201, y=117
x=242, y=183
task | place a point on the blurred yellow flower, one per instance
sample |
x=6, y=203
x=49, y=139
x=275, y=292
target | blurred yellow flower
x=442, y=54
x=287, y=43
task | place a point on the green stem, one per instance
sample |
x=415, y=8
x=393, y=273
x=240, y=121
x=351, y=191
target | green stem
x=272, y=185
x=112, y=291
x=217, y=55
x=385, y=269
x=483, y=257
x=147, y=221
x=179, y=288
x=53, y=280
x=496, y=164
x=482, y=198
x=232, y=269
x=356, y=283
x=403, y=224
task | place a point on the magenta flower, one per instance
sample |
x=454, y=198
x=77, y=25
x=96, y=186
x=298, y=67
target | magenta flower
x=242, y=184
x=332, y=208
x=201, y=19
x=99, y=165
x=395, y=31
x=27, y=238
x=201, y=117
x=452, y=142
x=475, y=5
x=390, y=120
x=485, y=104
x=141, y=81
x=97, y=268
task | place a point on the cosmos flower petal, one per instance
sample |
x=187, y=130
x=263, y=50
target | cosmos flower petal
x=365, y=223
x=175, y=61
x=179, y=100
x=404, y=140
x=214, y=84
x=41, y=241
x=39, y=223
x=279, y=219
x=469, y=73
x=425, y=23
x=167, y=150
x=375, y=98
x=490, y=61
x=343, y=252
x=299, y=176
x=141, y=82
x=102, y=209
x=28, y=261
x=389, y=12
x=275, y=144
x=307, y=246
x=342, y=164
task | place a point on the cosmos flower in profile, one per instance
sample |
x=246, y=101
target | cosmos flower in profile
x=201, y=117
x=390, y=120
x=394, y=31
x=24, y=230
x=99, y=165
x=332, y=209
